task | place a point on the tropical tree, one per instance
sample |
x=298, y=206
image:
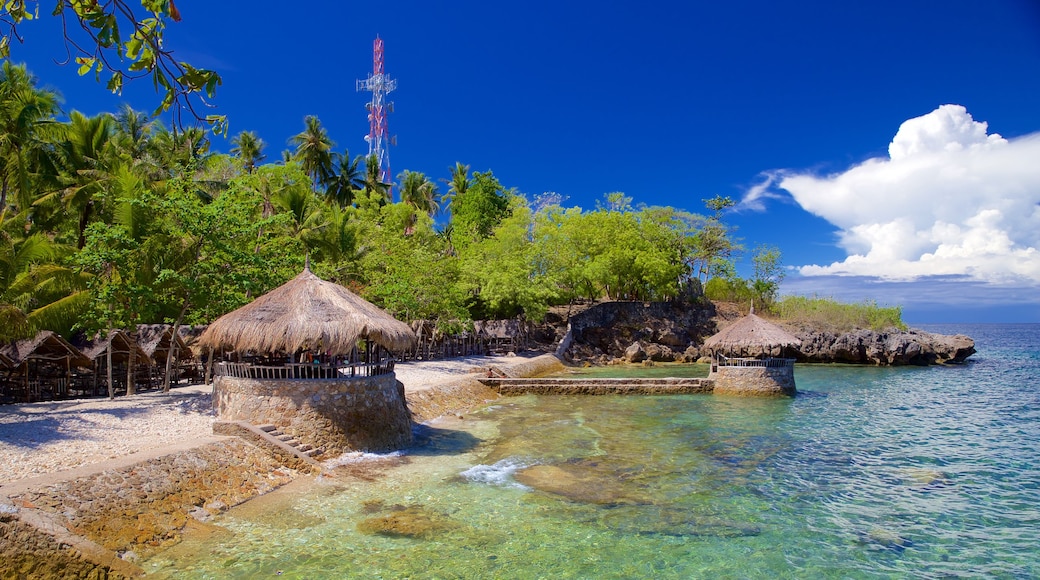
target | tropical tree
x=26, y=126
x=419, y=192
x=314, y=151
x=458, y=184
x=374, y=184
x=476, y=212
x=87, y=158
x=96, y=38
x=348, y=177
x=714, y=244
x=248, y=149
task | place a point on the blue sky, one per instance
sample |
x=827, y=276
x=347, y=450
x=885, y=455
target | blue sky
x=788, y=107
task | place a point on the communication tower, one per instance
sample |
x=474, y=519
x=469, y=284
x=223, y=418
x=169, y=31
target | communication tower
x=380, y=85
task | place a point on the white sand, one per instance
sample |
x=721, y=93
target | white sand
x=43, y=438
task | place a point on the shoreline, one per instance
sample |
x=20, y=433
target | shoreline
x=90, y=486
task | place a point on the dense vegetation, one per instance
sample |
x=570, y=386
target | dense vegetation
x=113, y=220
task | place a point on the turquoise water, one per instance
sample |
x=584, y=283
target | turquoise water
x=867, y=473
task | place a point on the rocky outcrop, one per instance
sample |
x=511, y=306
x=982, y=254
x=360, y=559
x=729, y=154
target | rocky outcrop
x=637, y=332
x=892, y=347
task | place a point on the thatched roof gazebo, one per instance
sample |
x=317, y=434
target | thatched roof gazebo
x=751, y=336
x=41, y=367
x=307, y=313
x=743, y=362
x=317, y=361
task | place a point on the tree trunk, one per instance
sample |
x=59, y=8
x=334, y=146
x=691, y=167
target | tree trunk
x=172, y=352
x=108, y=370
x=131, y=388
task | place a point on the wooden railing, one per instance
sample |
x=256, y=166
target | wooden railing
x=303, y=371
x=755, y=362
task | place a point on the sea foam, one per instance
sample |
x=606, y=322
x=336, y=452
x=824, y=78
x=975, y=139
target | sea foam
x=500, y=474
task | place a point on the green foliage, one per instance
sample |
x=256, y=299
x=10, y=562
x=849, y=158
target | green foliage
x=109, y=221
x=111, y=38
x=499, y=272
x=826, y=313
x=476, y=211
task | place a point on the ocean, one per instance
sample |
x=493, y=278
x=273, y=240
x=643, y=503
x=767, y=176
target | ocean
x=867, y=473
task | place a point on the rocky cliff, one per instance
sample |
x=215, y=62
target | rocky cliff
x=674, y=331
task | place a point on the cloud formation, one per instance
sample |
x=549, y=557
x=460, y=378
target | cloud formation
x=950, y=200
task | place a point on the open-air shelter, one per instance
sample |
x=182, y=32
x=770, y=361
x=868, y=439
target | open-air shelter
x=158, y=341
x=743, y=361
x=315, y=360
x=115, y=358
x=41, y=367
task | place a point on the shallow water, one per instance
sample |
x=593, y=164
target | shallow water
x=867, y=473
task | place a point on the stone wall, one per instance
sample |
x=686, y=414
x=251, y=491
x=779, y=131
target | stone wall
x=96, y=526
x=754, y=381
x=336, y=416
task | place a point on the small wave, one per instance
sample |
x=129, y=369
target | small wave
x=353, y=457
x=500, y=474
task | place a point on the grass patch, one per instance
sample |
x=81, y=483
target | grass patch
x=829, y=314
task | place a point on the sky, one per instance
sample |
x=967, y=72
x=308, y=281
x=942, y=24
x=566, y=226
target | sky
x=890, y=149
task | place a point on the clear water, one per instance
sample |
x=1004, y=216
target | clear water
x=867, y=473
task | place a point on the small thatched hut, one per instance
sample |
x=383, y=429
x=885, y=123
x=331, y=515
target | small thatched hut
x=115, y=358
x=315, y=360
x=41, y=367
x=743, y=362
x=158, y=341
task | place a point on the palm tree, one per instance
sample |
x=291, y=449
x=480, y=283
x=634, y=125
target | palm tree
x=87, y=157
x=419, y=192
x=457, y=185
x=373, y=181
x=346, y=180
x=248, y=149
x=26, y=124
x=314, y=151
x=133, y=129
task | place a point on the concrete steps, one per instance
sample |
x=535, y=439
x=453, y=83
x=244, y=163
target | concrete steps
x=304, y=448
x=600, y=386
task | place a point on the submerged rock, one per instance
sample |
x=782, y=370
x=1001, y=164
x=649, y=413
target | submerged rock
x=407, y=522
x=884, y=539
x=582, y=481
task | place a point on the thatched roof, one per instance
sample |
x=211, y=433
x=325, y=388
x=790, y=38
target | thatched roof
x=751, y=332
x=121, y=343
x=306, y=312
x=46, y=346
x=155, y=340
x=6, y=363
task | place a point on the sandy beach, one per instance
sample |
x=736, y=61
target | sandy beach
x=50, y=437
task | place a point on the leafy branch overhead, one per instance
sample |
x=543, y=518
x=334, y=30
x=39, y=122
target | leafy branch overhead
x=110, y=38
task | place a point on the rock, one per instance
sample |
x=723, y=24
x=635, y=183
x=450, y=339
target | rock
x=582, y=481
x=659, y=353
x=408, y=522
x=635, y=353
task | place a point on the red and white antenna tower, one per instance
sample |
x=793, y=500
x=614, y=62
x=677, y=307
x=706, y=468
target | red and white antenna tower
x=378, y=138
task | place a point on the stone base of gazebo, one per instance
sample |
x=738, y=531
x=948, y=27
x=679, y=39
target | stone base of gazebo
x=754, y=381
x=335, y=415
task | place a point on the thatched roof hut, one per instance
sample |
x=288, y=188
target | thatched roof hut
x=751, y=335
x=121, y=343
x=307, y=313
x=45, y=346
x=155, y=340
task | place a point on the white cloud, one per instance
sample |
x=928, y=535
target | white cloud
x=950, y=200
